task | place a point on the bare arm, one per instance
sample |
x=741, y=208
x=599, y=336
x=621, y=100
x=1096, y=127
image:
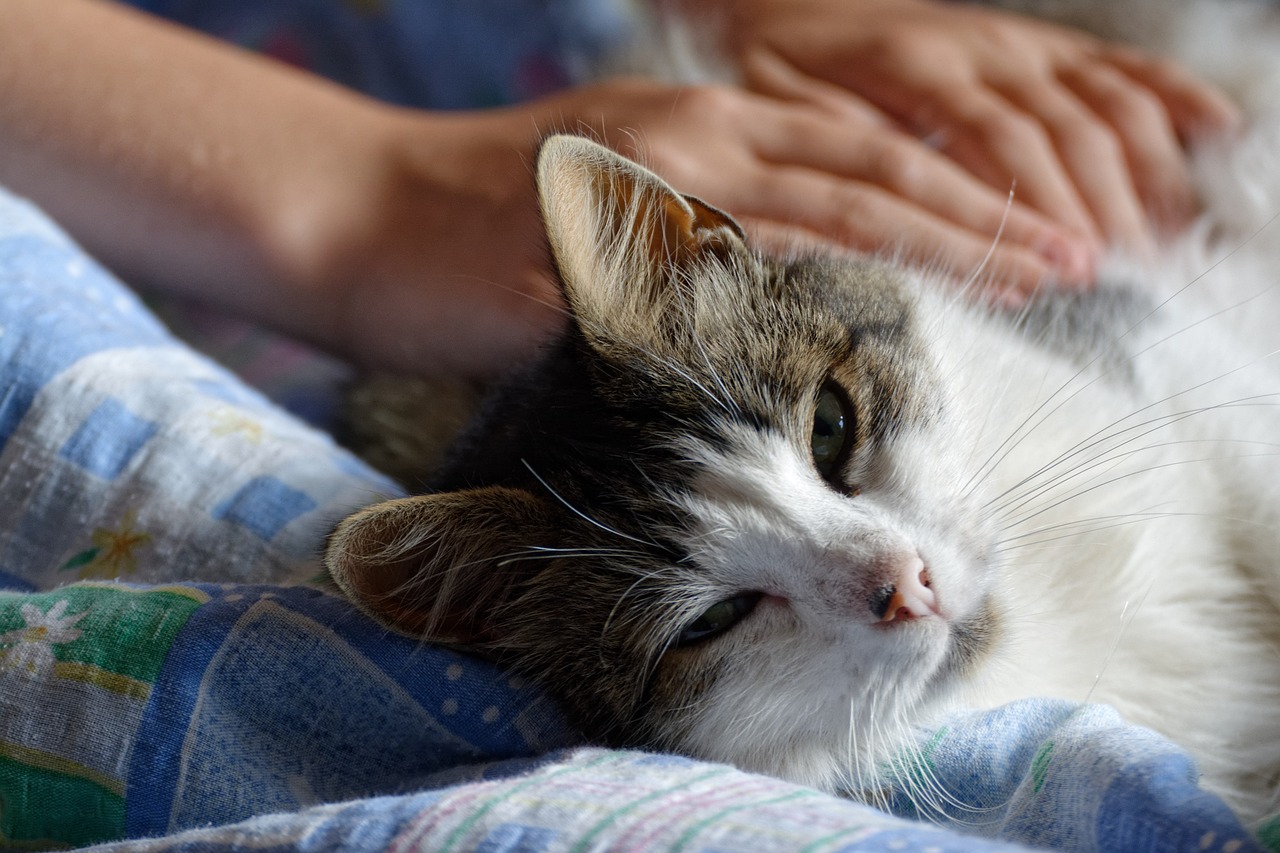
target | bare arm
x=149, y=143
x=411, y=239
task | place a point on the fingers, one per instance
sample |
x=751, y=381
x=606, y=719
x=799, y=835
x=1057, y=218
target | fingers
x=1088, y=144
x=769, y=74
x=1094, y=159
x=790, y=205
x=1156, y=162
x=1009, y=148
x=1195, y=108
x=918, y=175
x=1092, y=134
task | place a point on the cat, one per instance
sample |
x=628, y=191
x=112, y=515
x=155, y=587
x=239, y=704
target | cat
x=776, y=512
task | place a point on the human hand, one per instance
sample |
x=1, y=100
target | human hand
x=1091, y=133
x=439, y=265
x=795, y=173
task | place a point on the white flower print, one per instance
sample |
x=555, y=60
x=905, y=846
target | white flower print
x=29, y=650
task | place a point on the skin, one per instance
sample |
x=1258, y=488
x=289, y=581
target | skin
x=409, y=240
x=1093, y=134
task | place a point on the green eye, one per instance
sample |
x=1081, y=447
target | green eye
x=832, y=431
x=718, y=618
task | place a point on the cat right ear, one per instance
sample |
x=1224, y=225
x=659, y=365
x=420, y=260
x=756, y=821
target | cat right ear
x=626, y=244
x=440, y=566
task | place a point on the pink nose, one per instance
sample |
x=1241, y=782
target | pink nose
x=909, y=597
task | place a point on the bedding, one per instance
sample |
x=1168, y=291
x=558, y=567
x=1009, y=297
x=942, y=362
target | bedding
x=174, y=677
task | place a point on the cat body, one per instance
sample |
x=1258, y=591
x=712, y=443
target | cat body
x=1138, y=526
x=779, y=512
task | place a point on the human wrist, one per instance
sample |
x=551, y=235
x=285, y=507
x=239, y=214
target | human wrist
x=424, y=254
x=316, y=225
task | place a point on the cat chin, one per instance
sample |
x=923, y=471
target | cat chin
x=824, y=705
x=837, y=748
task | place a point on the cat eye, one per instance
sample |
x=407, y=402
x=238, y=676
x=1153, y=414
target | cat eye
x=832, y=432
x=718, y=618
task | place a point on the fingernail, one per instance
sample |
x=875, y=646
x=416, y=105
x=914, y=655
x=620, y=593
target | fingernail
x=1070, y=259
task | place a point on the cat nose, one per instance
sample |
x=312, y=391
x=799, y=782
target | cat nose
x=909, y=596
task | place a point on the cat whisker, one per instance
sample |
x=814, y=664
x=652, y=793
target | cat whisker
x=849, y=772
x=1013, y=523
x=972, y=278
x=1109, y=432
x=1088, y=524
x=921, y=769
x=927, y=793
x=553, y=305
x=580, y=513
x=642, y=618
x=1003, y=449
x=872, y=788
x=850, y=768
x=1111, y=462
x=901, y=764
x=540, y=552
x=1126, y=619
x=728, y=408
x=1082, y=492
x=901, y=780
x=1109, y=459
x=949, y=803
x=725, y=399
x=1072, y=539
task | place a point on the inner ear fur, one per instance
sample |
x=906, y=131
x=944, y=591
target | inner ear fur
x=439, y=566
x=623, y=240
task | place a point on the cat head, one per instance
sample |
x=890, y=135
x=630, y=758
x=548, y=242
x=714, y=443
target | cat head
x=725, y=515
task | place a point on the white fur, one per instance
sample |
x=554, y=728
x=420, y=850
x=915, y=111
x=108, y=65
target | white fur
x=1133, y=522
x=1126, y=531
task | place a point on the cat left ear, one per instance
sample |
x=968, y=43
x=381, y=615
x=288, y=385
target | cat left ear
x=441, y=566
x=624, y=241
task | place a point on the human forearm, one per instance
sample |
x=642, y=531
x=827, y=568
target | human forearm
x=182, y=162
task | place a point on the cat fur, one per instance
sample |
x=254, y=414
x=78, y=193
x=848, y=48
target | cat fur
x=1092, y=484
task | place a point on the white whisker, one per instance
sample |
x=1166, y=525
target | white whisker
x=579, y=512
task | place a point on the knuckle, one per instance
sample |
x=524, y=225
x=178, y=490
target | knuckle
x=853, y=215
x=708, y=101
x=1164, y=68
x=1137, y=106
x=1094, y=136
x=895, y=47
x=881, y=157
x=1015, y=130
x=900, y=166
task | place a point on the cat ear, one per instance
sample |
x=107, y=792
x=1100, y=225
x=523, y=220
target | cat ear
x=624, y=241
x=439, y=566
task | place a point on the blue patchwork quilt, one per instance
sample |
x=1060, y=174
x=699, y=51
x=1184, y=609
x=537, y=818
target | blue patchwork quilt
x=170, y=681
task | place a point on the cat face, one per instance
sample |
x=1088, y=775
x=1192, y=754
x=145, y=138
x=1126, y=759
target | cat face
x=727, y=514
